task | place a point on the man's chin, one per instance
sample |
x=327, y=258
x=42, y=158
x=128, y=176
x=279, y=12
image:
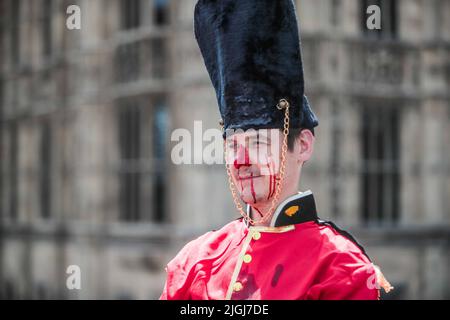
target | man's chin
x=251, y=201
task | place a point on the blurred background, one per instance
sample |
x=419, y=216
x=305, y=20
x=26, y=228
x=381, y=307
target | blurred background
x=86, y=118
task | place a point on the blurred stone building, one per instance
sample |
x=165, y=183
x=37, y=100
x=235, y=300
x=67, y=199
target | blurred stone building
x=86, y=118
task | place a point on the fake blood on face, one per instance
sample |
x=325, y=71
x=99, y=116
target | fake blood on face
x=259, y=212
x=242, y=158
x=240, y=181
x=272, y=180
x=253, y=188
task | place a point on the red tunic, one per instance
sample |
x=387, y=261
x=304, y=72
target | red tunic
x=308, y=260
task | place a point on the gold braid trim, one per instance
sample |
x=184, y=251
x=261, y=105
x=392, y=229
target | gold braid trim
x=381, y=280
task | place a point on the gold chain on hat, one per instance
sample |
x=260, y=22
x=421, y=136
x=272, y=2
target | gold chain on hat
x=282, y=104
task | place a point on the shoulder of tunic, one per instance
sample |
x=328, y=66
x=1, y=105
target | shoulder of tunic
x=207, y=244
x=339, y=240
x=343, y=269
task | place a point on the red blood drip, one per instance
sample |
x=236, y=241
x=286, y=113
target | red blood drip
x=242, y=158
x=260, y=214
x=253, y=189
x=273, y=181
x=240, y=180
x=270, y=181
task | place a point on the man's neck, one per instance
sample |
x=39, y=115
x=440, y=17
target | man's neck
x=257, y=210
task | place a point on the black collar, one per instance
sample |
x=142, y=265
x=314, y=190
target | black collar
x=296, y=209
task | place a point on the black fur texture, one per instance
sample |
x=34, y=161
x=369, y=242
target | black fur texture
x=251, y=49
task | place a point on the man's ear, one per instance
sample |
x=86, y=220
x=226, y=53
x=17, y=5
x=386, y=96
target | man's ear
x=305, y=145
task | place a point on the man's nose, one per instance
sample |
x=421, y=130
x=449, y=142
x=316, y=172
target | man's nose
x=242, y=158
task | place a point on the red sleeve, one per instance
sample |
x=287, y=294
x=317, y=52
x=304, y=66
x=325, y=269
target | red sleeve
x=349, y=276
x=178, y=277
x=164, y=293
x=180, y=271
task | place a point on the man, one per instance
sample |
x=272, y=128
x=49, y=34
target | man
x=279, y=249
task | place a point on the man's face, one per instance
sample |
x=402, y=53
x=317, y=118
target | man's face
x=254, y=159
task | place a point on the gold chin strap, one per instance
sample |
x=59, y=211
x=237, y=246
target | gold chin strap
x=282, y=104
